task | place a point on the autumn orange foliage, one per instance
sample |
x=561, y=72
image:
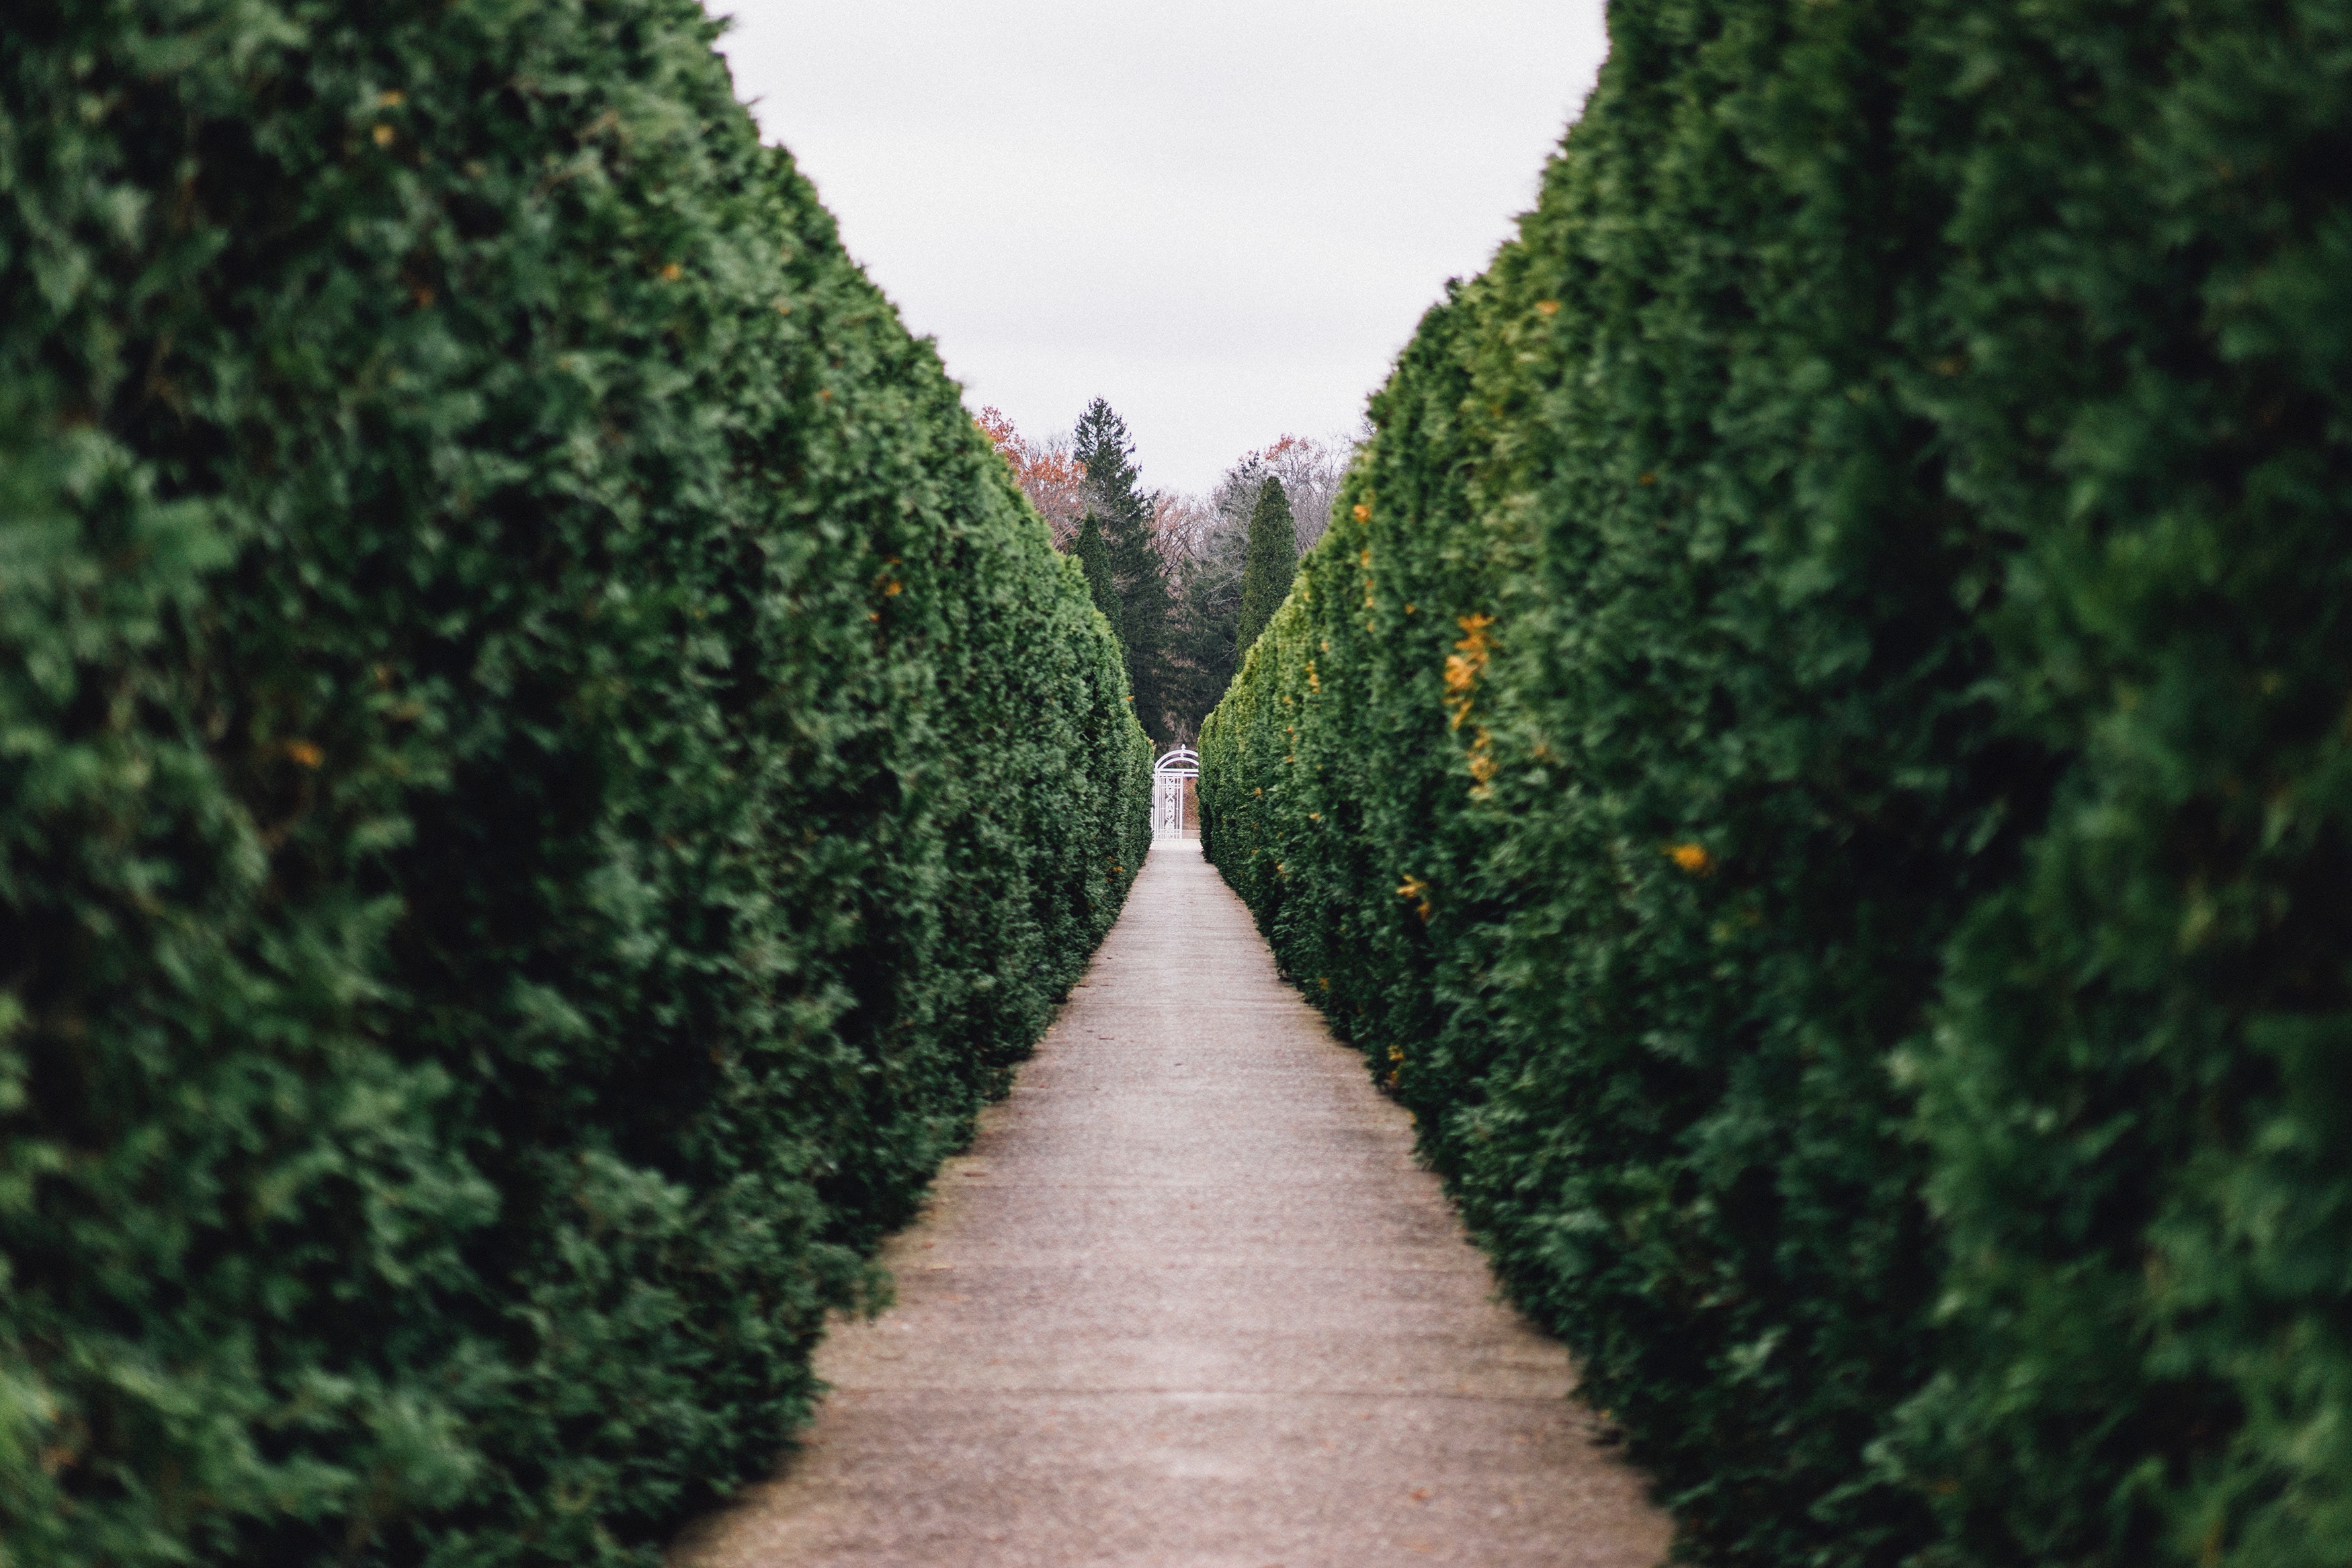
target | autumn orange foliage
x=1052, y=479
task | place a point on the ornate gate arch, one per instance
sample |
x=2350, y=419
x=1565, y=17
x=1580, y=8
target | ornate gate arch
x=1171, y=787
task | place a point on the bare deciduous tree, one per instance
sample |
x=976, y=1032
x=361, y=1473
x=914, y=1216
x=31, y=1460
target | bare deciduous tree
x=1310, y=469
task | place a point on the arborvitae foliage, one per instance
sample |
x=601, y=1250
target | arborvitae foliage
x=1107, y=453
x=547, y=772
x=1095, y=561
x=1814, y=759
x=2138, y=1098
x=1272, y=560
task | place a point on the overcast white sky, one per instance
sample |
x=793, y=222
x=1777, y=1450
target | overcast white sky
x=1224, y=218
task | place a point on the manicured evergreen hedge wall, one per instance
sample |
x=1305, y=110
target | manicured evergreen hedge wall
x=1815, y=759
x=545, y=771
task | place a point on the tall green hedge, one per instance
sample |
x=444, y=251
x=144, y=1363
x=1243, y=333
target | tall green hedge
x=545, y=771
x=1815, y=758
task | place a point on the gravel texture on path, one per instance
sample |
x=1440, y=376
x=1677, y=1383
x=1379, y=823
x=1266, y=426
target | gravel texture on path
x=1189, y=1302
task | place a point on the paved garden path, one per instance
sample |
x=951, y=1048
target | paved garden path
x=1189, y=1303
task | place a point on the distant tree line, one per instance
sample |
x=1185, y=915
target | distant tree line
x=1185, y=582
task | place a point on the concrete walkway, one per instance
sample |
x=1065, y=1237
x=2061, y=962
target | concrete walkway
x=1189, y=1303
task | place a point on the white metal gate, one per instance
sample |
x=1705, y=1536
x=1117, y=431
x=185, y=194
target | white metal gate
x=1172, y=782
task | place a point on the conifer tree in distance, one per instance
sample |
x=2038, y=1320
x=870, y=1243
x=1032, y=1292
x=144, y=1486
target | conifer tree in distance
x=1094, y=559
x=1272, y=562
x=1114, y=493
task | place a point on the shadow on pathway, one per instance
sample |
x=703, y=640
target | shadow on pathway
x=1190, y=1302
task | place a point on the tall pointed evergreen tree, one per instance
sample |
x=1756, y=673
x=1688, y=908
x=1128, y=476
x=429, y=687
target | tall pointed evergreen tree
x=1094, y=559
x=1114, y=493
x=1202, y=642
x=1272, y=561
